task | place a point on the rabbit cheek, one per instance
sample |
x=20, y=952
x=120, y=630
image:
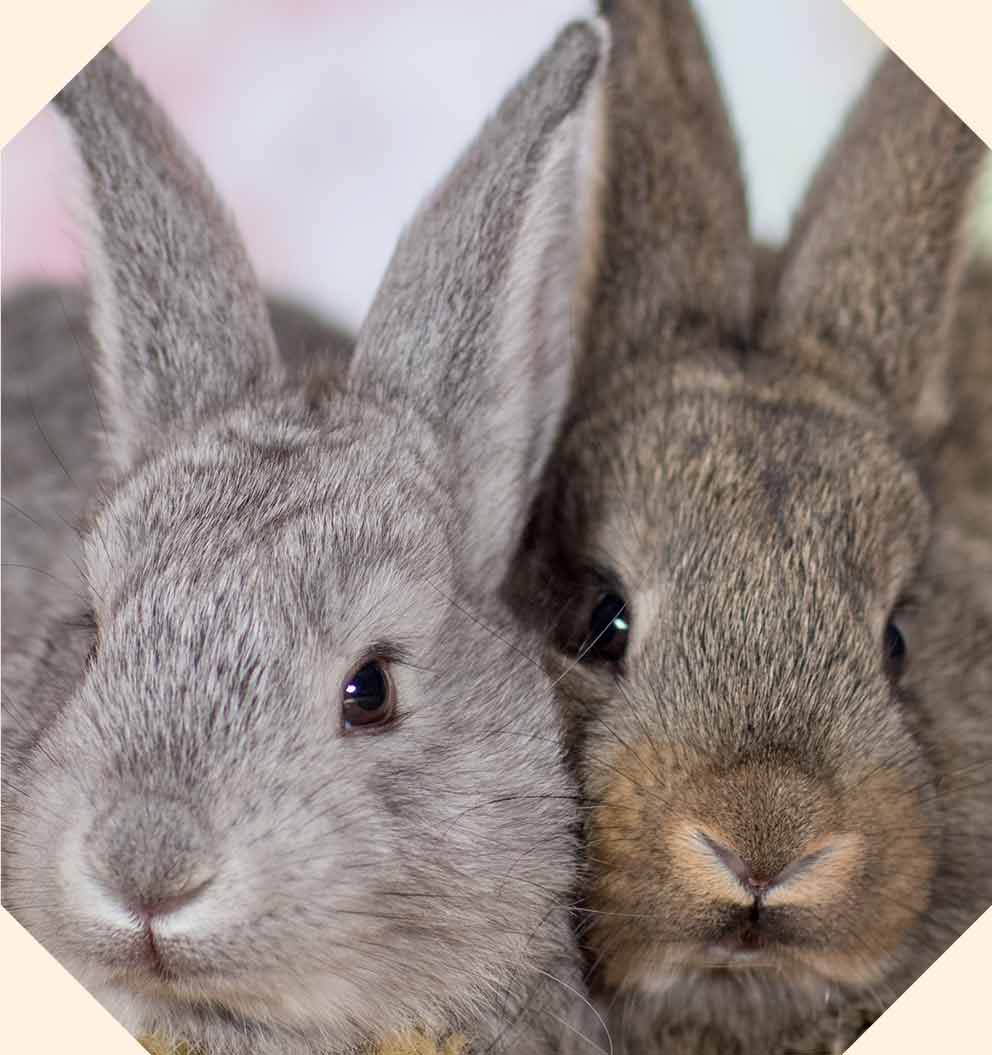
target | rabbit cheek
x=757, y=864
x=645, y=919
x=895, y=887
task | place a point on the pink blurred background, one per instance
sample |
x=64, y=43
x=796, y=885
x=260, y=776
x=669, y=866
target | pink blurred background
x=323, y=122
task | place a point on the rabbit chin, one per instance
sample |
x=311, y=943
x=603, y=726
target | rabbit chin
x=222, y=1014
x=806, y=974
x=738, y=1008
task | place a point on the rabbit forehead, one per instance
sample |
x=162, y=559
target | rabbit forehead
x=294, y=526
x=769, y=485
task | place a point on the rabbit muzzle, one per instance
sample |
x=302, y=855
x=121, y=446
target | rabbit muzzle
x=758, y=863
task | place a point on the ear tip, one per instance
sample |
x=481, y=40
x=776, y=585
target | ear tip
x=107, y=63
x=585, y=37
x=601, y=27
x=895, y=78
x=897, y=88
x=579, y=54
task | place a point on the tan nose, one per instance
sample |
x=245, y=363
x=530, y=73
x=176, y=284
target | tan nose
x=822, y=871
x=751, y=879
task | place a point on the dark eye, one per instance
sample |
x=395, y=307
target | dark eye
x=367, y=699
x=895, y=650
x=609, y=629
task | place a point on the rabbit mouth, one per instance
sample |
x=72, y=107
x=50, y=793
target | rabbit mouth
x=751, y=943
x=724, y=966
x=148, y=966
x=729, y=956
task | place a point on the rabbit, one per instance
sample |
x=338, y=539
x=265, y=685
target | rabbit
x=763, y=542
x=284, y=776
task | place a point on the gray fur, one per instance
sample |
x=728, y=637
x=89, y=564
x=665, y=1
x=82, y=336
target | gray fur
x=56, y=440
x=757, y=460
x=258, y=537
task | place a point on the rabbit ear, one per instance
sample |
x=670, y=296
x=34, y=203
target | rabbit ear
x=178, y=316
x=474, y=325
x=676, y=255
x=868, y=279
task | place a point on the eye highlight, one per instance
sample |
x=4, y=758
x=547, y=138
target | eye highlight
x=368, y=699
x=609, y=631
x=894, y=649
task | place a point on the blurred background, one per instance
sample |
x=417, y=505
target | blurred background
x=323, y=122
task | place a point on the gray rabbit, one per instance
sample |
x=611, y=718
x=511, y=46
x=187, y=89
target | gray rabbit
x=279, y=774
x=768, y=528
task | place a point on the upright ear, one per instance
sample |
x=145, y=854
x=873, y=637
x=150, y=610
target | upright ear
x=677, y=261
x=178, y=316
x=868, y=279
x=476, y=323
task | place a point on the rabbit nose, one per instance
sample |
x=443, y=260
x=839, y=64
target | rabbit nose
x=151, y=857
x=755, y=884
x=808, y=877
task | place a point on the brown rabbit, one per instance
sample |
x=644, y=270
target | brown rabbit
x=773, y=559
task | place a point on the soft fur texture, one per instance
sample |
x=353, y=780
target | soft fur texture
x=174, y=732
x=758, y=461
x=54, y=443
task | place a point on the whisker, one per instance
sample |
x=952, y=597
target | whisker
x=486, y=627
x=47, y=575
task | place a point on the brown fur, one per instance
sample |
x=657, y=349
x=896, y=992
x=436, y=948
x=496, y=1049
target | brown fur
x=965, y=456
x=757, y=461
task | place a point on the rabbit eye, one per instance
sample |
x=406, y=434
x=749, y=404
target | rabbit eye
x=368, y=701
x=895, y=650
x=609, y=630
